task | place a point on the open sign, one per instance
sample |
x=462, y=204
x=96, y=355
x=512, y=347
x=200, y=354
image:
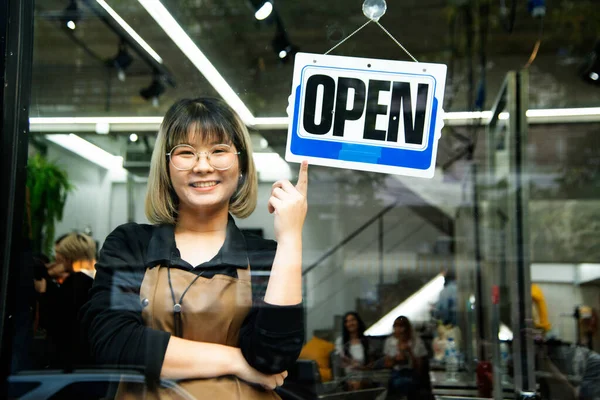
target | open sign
x=366, y=114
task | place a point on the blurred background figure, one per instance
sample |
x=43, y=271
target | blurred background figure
x=63, y=290
x=406, y=355
x=445, y=308
x=352, y=349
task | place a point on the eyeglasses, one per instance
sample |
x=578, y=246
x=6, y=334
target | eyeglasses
x=184, y=157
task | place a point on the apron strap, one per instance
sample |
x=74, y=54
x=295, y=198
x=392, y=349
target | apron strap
x=244, y=274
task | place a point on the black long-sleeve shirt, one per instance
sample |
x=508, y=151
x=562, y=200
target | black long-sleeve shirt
x=270, y=338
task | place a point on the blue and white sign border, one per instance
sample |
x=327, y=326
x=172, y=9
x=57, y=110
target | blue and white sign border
x=384, y=159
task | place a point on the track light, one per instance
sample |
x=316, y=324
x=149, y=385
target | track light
x=282, y=46
x=121, y=61
x=153, y=91
x=71, y=15
x=263, y=8
x=590, y=68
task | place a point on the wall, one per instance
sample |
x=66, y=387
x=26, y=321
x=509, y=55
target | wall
x=566, y=286
x=88, y=206
x=561, y=299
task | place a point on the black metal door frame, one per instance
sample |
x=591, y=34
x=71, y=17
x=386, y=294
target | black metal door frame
x=16, y=49
x=507, y=236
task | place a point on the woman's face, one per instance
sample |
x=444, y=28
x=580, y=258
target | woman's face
x=351, y=324
x=67, y=265
x=204, y=187
x=400, y=329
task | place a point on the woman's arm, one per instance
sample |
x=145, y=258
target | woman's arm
x=117, y=333
x=185, y=359
x=112, y=318
x=272, y=334
x=289, y=205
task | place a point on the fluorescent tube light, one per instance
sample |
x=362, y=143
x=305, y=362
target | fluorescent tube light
x=89, y=124
x=564, y=112
x=102, y=125
x=94, y=120
x=87, y=150
x=166, y=21
x=271, y=167
x=129, y=30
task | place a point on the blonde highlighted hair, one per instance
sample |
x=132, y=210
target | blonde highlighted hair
x=214, y=121
x=77, y=247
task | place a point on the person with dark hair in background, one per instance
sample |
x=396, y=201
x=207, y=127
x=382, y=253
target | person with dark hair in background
x=176, y=298
x=352, y=349
x=63, y=291
x=404, y=354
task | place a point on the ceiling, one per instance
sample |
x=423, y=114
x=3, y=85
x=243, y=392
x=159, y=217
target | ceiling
x=68, y=80
x=71, y=77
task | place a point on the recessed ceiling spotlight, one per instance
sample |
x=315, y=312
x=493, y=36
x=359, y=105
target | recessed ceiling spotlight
x=133, y=137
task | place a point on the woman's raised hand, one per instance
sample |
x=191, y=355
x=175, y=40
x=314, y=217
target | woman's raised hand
x=288, y=204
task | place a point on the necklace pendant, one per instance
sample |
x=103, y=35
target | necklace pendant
x=177, y=308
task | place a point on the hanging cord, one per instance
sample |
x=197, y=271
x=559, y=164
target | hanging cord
x=537, y=45
x=177, y=305
x=381, y=26
x=348, y=37
x=397, y=42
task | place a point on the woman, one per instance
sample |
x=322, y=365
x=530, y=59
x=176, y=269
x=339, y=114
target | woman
x=175, y=297
x=353, y=350
x=63, y=292
x=404, y=354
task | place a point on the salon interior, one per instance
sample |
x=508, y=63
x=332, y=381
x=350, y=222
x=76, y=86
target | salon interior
x=494, y=262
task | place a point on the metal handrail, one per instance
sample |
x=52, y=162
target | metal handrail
x=335, y=248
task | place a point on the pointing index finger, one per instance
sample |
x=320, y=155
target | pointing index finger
x=302, y=184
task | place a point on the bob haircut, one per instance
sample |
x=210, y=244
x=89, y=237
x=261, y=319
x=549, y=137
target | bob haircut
x=215, y=122
x=76, y=247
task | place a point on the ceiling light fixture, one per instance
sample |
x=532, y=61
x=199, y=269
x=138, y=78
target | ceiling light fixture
x=166, y=21
x=148, y=124
x=71, y=15
x=590, y=68
x=130, y=30
x=121, y=61
x=263, y=9
x=87, y=150
x=133, y=137
x=153, y=91
x=282, y=45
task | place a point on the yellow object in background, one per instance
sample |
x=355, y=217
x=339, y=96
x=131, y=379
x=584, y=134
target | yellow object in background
x=87, y=265
x=540, y=310
x=319, y=350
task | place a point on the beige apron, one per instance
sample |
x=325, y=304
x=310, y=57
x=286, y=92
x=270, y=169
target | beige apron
x=212, y=311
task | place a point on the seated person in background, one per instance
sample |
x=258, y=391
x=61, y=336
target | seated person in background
x=62, y=296
x=404, y=354
x=353, y=350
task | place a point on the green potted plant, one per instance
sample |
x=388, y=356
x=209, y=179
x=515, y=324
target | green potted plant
x=48, y=186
